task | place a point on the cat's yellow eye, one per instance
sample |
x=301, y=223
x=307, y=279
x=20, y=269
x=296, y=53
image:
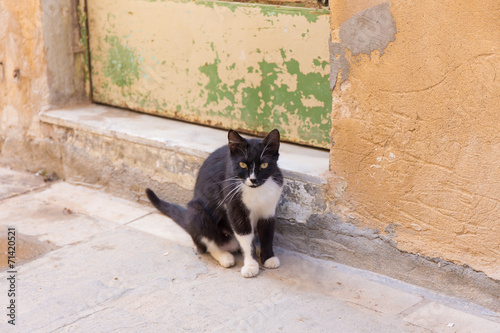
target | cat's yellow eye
x=264, y=165
x=243, y=165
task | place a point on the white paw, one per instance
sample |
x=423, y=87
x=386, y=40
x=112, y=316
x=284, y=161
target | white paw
x=250, y=270
x=272, y=262
x=226, y=260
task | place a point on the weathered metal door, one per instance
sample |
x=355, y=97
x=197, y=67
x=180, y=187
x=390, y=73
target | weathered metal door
x=231, y=65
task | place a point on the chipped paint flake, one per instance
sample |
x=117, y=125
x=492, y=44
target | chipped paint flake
x=122, y=66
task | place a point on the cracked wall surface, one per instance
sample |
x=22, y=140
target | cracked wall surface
x=416, y=151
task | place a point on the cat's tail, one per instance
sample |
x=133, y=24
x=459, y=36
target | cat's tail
x=175, y=212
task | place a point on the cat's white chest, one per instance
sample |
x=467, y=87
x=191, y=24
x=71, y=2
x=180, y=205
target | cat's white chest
x=261, y=201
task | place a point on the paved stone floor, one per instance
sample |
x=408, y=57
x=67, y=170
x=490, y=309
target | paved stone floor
x=91, y=262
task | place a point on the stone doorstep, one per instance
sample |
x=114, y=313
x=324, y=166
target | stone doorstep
x=297, y=162
x=304, y=168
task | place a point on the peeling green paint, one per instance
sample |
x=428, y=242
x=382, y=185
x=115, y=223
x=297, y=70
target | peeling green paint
x=310, y=14
x=260, y=102
x=261, y=105
x=122, y=66
x=216, y=90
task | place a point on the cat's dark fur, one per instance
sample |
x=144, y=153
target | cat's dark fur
x=236, y=193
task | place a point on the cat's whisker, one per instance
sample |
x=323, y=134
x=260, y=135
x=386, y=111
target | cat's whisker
x=233, y=192
x=232, y=182
x=229, y=179
x=237, y=188
x=236, y=192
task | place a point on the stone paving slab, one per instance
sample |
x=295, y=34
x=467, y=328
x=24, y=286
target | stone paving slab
x=14, y=182
x=118, y=266
x=49, y=221
x=162, y=226
x=127, y=273
x=330, y=278
x=75, y=281
x=440, y=318
x=83, y=200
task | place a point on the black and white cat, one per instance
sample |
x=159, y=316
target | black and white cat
x=236, y=193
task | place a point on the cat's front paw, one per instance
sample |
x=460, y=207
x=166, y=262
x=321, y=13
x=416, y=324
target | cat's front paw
x=226, y=260
x=272, y=262
x=250, y=270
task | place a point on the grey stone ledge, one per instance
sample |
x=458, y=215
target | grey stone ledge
x=297, y=162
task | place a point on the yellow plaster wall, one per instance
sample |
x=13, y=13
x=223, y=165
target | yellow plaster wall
x=23, y=94
x=41, y=66
x=416, y=130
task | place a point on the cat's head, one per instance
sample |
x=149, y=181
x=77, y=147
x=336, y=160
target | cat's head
x=253, y=160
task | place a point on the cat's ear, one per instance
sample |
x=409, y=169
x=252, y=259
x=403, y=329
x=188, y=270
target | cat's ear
x=236, y=143
x=272, y=141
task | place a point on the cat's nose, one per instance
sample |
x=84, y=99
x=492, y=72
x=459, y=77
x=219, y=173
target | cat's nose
x=253, y=180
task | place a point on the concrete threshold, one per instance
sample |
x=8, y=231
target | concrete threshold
x=297, y=162
x=126, y=152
